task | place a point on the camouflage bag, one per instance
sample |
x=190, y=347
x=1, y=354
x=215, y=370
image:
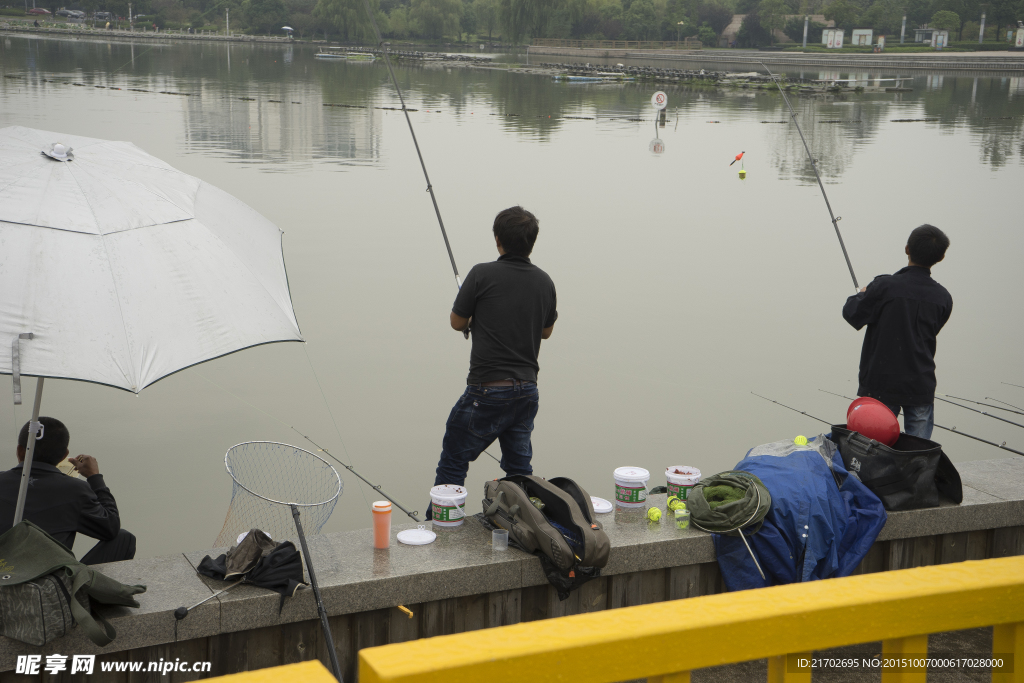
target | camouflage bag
x=37, y=611
x=39, y=576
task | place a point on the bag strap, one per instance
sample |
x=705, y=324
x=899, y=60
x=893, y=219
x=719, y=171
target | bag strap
x=96, y=628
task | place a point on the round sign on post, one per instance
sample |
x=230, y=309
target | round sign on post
x=659, y=100
x=657, y=146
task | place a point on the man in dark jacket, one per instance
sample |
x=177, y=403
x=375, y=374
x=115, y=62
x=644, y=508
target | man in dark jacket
x=904, y=313
x=63, y=505
x=509, y=305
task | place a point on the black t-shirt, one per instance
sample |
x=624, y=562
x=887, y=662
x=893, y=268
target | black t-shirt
x=511, y=302
x=904, y=313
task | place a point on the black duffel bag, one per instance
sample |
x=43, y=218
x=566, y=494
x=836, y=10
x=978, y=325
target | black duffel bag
x=906, y=476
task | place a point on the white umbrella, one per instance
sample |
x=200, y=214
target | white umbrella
x=117, y=269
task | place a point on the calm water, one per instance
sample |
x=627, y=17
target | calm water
x=681, y=288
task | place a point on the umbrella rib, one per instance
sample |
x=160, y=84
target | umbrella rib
x=117, y=291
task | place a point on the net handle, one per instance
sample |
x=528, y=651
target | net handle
x=227, y=466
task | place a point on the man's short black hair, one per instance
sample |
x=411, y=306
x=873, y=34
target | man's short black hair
x=53, y=446
x=927, y=245
x=516, y=229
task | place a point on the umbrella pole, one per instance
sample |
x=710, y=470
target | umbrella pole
x=752, y=556
x=316, y=594
x=26, y=468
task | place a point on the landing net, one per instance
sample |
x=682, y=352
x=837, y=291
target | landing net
x=267, y=477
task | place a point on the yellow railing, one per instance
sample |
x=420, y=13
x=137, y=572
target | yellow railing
x=664, y=641
x=305, y=672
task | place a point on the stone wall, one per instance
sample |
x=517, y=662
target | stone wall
x=459, y=584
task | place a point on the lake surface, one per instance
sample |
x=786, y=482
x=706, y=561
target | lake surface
x=681, y=288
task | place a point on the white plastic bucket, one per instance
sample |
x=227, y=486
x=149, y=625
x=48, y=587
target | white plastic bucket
x=448, y=504
x=631, y=486
x=680, y=480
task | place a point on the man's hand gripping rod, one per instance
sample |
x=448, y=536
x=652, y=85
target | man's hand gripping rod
x=814, y=165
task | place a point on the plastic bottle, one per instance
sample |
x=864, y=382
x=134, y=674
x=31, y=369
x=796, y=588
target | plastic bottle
x=382, y=524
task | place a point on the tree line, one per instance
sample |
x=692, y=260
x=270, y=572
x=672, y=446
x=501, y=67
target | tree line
x=519, y=21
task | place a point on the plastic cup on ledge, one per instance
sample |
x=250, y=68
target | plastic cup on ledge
x=499, y=539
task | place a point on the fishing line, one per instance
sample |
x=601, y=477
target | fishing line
x=814, y=166
x=320, y=448
x=948, y=429
x=982, y=412
x=334, y=421
x=430, y=188
x=1012, y=385
x=989, y=405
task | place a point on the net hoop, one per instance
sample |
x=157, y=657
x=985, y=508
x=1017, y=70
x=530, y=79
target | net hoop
x=227, y=466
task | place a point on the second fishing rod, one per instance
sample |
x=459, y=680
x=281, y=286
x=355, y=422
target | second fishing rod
x=814, y=167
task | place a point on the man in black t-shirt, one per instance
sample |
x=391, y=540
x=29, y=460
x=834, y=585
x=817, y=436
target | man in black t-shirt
x=508, y=306
x=904, y=313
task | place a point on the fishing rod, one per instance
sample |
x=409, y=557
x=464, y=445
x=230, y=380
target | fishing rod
x=949, y=429
x=323, y=450
x=430, y=188
x=989, y=398
x=1009, y=410
x=795, y=410
x=1012, y=385
x=351, y=469
x=982, y=412
x=814, y=166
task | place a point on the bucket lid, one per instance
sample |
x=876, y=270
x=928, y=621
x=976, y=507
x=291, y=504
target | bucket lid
x=601, y=506
x=632, y=474
x=382, y=506
x=417, y=536
x=449, y=491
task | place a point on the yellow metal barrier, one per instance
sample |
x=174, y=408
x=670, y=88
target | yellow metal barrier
x=305, y=672
x=659, y=640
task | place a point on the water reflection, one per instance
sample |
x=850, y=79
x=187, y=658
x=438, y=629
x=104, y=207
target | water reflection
x=280, y=105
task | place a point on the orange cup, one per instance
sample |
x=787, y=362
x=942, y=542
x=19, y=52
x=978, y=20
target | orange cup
x=382, y=524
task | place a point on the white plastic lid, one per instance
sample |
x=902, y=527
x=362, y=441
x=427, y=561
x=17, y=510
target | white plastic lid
x=632, y=474
x=417, y=536
x=382, y=506
x=601, y=506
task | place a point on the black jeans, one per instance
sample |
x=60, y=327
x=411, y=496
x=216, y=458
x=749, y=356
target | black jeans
x=482, y=415
x=117, y=549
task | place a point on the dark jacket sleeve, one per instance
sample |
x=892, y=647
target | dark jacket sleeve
x=98, y=517
x=863, y=308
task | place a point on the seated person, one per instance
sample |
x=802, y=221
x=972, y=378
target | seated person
x=63, y=505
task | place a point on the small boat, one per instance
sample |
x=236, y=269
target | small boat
x=341, y=53
x=330, y=53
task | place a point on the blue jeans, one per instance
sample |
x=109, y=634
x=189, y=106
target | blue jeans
x=917, y=420
x=482, y=415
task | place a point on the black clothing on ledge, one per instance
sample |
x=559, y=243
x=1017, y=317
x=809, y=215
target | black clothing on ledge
x=904, y=313
x=511, y=302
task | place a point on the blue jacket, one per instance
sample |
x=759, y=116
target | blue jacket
x=821, y=524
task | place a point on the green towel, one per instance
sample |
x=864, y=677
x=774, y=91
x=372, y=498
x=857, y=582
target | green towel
x=720, y=495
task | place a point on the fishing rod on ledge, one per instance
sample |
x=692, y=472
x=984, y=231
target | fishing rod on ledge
x=814, y=166
x=989, y=398
x=430, y=188
x=375, y=487
x=1018, y=411
x=981, y=412
x=948, y=429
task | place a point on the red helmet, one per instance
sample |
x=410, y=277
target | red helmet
x=871, y=418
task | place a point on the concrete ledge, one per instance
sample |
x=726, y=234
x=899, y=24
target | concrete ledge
x=355, y=579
